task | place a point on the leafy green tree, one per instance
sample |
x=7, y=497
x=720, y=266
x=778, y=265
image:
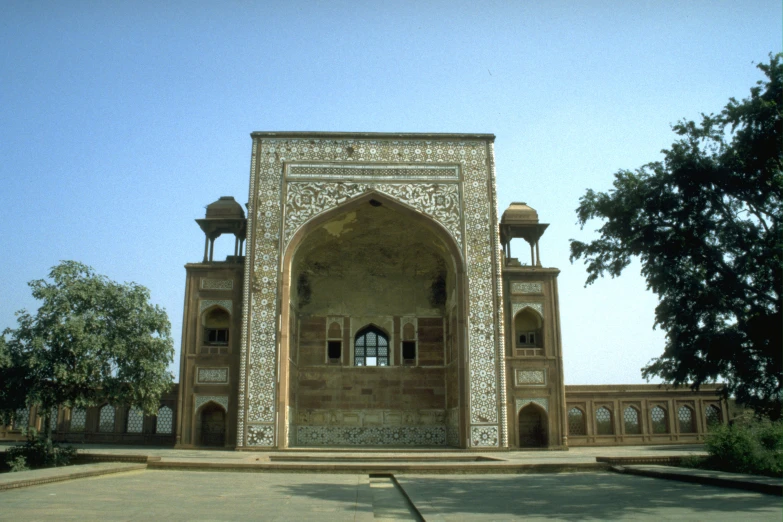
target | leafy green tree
x=92, y=340
x=706, y=225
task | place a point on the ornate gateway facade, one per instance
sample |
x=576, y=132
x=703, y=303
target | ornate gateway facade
x=377, y=304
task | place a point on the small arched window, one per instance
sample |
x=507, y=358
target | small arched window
x=631, y=419
x=686, y=420
x=106, y=419
x=527, y=325
x=659, y=422
x=603, y=421
x=713, y=417
x=576, y=422
x=371, y=348
x=165, y=421
x=216, y=323
x=135, y=420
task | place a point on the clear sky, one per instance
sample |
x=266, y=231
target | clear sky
x=120, y=121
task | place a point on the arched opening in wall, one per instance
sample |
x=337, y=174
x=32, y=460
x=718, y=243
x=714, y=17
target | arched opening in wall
x=372, y=266
x=134, y=422
x=686, y=420
x=212, y=421
x=714, y=418
x=371, y=347
x=225, y=247
x=631, y=421
x=106, y=419
x=577, y=427
x=528, y=329
x=532, y=426
x=216, y=329
x=604, y=423
x=660, y=420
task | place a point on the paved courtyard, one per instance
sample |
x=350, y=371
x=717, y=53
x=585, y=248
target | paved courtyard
x=204, y=495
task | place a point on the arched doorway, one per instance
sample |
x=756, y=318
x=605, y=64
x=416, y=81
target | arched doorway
x=213, y=425
x=532, y=427
x=372, y=261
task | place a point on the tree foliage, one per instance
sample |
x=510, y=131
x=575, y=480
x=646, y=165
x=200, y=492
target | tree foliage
x=706, y=225
x=91, y=341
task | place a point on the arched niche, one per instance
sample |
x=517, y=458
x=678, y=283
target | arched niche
x=216, y=326
x=392, y=244
x=532, y=422
x=211, y=426
x=528, y=329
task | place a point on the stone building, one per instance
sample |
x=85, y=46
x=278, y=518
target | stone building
x=377, y=303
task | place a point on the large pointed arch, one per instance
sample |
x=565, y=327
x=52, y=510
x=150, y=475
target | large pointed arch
x=286, y=286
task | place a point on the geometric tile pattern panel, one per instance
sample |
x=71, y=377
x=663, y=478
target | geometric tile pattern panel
x=260, y=436
x=530, y=377
x=484, y=436
x=218, y=399
x=212, y=376
x=541, y=401
x=228, y=304
x=371, y=435
x=217, y=284
x=526, y=288
x=516, y=307
x=305, y=200
x=269, y=225
x=375, y=173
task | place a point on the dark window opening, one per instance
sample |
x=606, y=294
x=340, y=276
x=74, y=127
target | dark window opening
x=409, y=352
x=334, y=351
x=371, y=348
x=216, y=336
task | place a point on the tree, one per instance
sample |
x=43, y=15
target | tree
x=706, y=225
x=92, y=340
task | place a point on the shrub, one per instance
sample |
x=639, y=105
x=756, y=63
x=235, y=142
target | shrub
x=38, y=452
x=748, y=445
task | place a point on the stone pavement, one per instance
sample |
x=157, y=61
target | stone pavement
x=454, y=492
x=206, y=495
x=581, y=496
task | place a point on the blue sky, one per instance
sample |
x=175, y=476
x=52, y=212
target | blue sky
x=120, y=121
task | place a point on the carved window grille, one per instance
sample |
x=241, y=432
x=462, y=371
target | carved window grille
x=106, y=419
x=576, y=422
x=713, y=417
x=53, y=419
x=686, y=418
x=603, y=421
x=78, y=419
x=371, y=348
x=135, y=420
x=165, y=421
x=631, y=418
x=22, y=419
x=659, y=422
